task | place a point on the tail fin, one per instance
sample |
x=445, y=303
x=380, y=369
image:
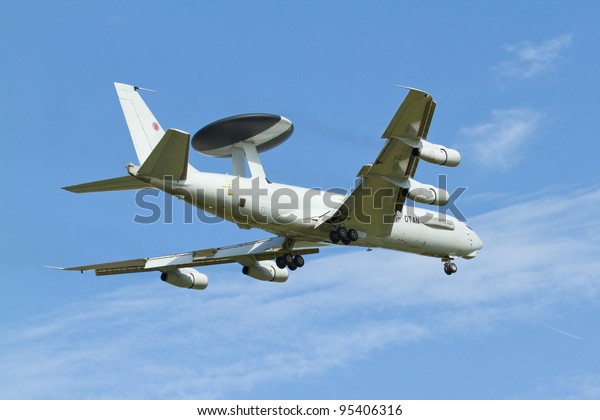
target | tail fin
x=143, y=126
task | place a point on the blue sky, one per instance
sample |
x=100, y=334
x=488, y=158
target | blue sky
x=516, y=88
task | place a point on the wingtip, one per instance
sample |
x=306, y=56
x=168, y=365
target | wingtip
x=53, y=267
x=411, y=88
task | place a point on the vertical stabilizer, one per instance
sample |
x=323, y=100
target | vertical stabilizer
x=145, y=130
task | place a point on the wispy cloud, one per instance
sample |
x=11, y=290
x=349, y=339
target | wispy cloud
x=529, y=60
x=571, y=386
x=239, y=335
x=500, y=142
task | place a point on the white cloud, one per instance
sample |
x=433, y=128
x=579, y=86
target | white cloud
x=500, y=142
x=573, y=386
x=529, y=60
x=161, y=342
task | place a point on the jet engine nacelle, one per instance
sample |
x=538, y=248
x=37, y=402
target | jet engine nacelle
x=438, y=154
x=187, y=278
x=266, y=271
x=425, y=193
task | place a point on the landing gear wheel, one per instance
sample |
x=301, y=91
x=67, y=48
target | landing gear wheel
x=288, y=259
x=333, y=237
x=299, y=261
x=343, y=235
x=452, y=267
x=352, y=235
x=280, y=262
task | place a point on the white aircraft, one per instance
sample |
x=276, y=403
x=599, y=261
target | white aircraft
x=373, y=215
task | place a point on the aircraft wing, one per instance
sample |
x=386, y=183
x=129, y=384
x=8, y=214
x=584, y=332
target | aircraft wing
x=245, y=254
x=372, y=205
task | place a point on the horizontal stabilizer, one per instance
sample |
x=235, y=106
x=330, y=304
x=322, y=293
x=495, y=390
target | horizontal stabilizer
x=169, y=158
x=114, y=184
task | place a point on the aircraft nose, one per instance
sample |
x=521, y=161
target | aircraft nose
x=477, y=243
x=474, y=244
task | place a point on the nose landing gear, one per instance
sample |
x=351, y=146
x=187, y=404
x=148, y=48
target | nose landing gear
x=450, y=267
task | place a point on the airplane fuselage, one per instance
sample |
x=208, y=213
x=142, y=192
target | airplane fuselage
x=294, y=211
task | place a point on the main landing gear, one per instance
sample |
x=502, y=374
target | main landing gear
x=450, y=267
x=290, y=261
x=344, y=235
